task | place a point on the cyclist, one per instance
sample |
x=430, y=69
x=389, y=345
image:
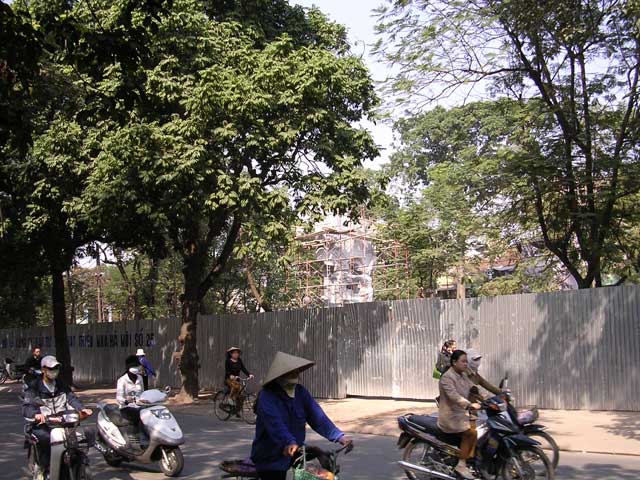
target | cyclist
x=284, y=407
x=233, y=366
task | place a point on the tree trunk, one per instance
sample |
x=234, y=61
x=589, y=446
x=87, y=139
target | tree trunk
x=149, y=286
x=187, y=355
x=198, y=279
x=188, y=360
x=255, y=290
x=63, y=353
x=72, y=298
x=461, y=289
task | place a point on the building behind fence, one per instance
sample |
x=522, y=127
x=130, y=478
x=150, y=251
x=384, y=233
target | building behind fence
x=572, y=350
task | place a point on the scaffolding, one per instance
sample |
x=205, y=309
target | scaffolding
x=343, y=262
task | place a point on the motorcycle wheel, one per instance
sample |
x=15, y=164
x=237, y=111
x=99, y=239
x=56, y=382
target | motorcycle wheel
x=3, y=375
x=112, y=462
x=548, y=444
x=533, y=463
x=218, y=407
x=414, y=452
x=33, y=470
x=248, y=414
x=171, y=461
x=83, y=472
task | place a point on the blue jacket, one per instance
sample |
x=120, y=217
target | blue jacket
x=148, y=369
x=282, y=421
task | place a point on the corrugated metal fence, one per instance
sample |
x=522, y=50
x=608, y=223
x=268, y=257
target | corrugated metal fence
x=574, y=350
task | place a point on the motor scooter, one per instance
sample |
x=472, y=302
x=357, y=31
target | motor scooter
x=155, y=438
x=70, y=444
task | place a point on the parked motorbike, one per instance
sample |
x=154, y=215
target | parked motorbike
x=502, y=450
x=69, y=447
x=157, y=438
x=11, y=371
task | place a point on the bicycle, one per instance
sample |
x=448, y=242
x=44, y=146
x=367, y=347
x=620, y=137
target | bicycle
x=224, y=408
x=327, y=464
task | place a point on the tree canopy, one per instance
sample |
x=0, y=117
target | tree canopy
x=571, y=67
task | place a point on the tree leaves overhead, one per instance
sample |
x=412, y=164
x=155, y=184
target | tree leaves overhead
x=573, y=69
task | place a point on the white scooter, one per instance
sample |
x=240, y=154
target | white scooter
x=69, y=447
x=157, y=440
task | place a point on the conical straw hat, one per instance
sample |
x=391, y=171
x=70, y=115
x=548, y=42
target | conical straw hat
x=285, y=363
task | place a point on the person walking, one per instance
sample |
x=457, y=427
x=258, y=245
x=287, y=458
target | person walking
x=455, y=390
x=284, y=407
x=147, y=369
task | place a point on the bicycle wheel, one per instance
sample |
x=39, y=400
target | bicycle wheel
x=220, y=407
x=3, y=375
x=248, y=414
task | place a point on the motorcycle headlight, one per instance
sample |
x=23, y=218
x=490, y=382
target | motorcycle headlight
x=161, y=413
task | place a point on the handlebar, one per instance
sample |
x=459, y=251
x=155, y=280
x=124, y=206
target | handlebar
x=314, y=451
x=69, y=417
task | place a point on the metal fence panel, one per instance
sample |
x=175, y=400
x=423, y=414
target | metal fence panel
x=574, y=350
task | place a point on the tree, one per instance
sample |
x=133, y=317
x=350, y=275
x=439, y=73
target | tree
x=579, y=61
x=227, y=128
x=455, y=187
x=42, y=173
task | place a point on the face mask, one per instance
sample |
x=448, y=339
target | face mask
x=52, y=374
x=134, y=370
x=288, y=385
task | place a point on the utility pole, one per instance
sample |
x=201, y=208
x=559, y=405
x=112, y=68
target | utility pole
x=99, y=284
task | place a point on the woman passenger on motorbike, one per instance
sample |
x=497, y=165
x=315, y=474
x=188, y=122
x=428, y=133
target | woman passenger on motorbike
x=455, y=386
x=474, y=358
x=444, y=357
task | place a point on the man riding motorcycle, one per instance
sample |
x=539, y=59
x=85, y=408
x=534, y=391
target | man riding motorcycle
x=46, y=396
x=32, y=365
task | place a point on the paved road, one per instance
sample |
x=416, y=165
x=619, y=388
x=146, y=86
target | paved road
x=209, y=441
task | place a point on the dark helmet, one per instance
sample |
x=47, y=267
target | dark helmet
x=131, y=361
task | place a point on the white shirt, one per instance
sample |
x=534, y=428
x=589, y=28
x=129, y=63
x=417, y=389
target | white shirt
x=126, y=390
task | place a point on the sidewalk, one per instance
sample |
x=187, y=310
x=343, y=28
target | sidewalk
x=574, y=430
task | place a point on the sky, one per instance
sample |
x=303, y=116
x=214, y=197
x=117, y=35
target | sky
x=356, y=15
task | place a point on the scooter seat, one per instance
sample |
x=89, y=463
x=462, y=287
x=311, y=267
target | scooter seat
x=429, y=424
x=115, y=416
x=426, y=423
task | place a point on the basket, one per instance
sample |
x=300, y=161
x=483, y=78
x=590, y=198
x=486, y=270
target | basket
x=302, y=470
x=527, y=414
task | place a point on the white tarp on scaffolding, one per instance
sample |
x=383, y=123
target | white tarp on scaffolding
x=349, y=260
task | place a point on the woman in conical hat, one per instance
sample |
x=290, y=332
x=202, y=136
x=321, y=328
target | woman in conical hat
x=233, y=366
x=283, y=410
